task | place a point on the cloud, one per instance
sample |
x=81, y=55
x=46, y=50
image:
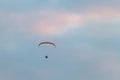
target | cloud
x=57, y=23
x=111, y=66
x=103, y=13
x=53, y=23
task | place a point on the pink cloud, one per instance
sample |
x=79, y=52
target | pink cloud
x=103, y=13
x=54, y=23
x=111, y=66
x=58, y=22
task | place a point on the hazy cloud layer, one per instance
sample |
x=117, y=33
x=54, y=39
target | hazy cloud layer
x=86, y=34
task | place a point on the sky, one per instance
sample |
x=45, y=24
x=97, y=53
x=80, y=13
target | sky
x=86, y=33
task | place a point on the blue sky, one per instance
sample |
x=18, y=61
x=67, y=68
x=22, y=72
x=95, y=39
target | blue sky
x=86, y=33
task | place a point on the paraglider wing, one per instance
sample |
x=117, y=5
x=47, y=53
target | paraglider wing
x=51, y=43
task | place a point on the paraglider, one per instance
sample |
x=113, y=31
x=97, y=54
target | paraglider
x=50, y=43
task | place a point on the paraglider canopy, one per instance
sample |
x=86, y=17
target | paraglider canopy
x=51, y=43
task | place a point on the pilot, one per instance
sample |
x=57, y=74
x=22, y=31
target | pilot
x=46, y=57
